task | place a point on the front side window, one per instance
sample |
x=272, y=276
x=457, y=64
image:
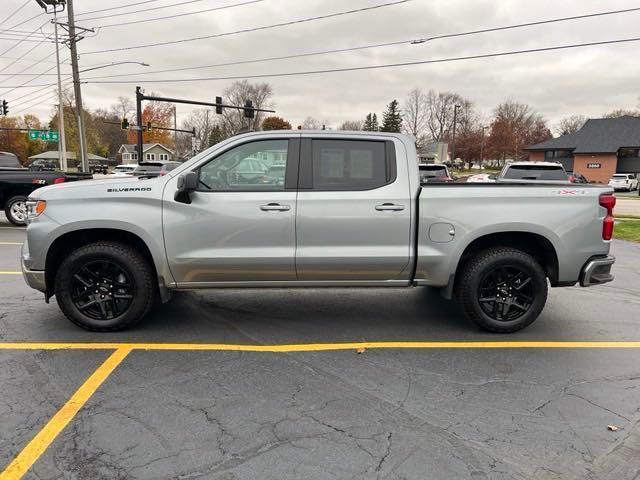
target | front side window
x=254, y=166
x=349, y=165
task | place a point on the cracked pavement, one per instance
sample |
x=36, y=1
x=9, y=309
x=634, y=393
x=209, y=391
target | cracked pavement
x=389, y=414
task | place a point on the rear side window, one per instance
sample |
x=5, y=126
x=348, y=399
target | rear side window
x=532, y=172
x=433, y=172
x=351, y=164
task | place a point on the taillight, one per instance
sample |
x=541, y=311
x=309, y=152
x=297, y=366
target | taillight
x=59, y=180
x=608, y=201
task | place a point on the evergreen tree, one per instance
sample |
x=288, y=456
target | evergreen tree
x=371, y=123
x=392, y=118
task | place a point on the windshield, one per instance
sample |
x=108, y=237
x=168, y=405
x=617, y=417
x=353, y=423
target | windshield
x=7, y=160
x=619, y=177
x=535, y=172
x=432, y=171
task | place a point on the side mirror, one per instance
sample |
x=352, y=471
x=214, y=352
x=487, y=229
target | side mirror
x=187, y=183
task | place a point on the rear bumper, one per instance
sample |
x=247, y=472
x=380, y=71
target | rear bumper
x=597, y=270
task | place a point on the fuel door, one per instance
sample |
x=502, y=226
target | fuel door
x=441, y=232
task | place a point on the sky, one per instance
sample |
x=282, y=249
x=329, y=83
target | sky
x=588, y=81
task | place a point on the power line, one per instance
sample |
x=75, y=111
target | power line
x=143, y=10
x=26, y=21
x=264, y=27
x=15, y=11
x=11, y=89
x=25, y=39
x=374, y=67
x=179, y=15
x=36, y=103
x=115, y=8
x=24, y=54
x=375, y=45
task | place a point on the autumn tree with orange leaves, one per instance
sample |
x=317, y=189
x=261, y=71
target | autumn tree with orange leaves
x=160, y=114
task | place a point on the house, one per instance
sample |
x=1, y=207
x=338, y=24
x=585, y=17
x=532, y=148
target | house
x=152, y=152
x=437, y=152
x=602, y=147
x=72, y=161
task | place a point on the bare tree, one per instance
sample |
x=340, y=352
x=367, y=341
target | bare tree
x=570, y=124
x=441, y=107
x=311, y=123
x=415, y=115
x=123, y=107
x=204, y=121
x=351, y=125
x=233, y=121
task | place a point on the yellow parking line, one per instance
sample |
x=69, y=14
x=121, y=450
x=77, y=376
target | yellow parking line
x=36, y=447
x=10, y=273
x=311, y=347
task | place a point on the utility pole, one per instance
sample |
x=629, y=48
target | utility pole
x=175, y=134
x=62, y=144
x=455, y=121
x=139, y=121
x=76, y=87
x=482, y=148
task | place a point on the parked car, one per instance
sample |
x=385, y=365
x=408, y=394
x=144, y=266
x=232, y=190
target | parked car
x=168, y=166
x=539, y=172
x=124, y=170
x=16, y=186
x=434, y=173
x=96, y=166
x=624, y=181
x=9, y=161
x=351, y=213
x=44, y=165
x=575, y=177
x=482, y=178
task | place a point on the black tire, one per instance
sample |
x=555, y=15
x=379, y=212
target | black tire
x=102, y=265
x=518, y=281
x=12, y=208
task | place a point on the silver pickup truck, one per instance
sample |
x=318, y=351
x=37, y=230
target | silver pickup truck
x=312, y=209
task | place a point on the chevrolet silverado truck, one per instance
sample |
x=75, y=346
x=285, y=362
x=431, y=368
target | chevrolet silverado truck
x=17, y=184
x=312, y=209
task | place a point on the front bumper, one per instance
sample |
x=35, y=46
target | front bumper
x=597, y=270
x=34, y=278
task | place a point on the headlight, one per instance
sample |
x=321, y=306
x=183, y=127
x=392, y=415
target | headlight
x=35, y=208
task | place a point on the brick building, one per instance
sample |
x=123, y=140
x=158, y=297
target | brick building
x=602, y=147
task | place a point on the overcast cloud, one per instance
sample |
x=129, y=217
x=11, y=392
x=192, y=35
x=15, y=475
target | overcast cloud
x=588, y=81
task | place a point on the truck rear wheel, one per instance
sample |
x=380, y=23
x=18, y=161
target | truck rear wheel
x=105, y=286
x=16, y=210
x=502, y=289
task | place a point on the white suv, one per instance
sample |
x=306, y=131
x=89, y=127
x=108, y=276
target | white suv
x=624, y=181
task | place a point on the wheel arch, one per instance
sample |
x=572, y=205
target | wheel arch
x=66, y=243
x=535, y=244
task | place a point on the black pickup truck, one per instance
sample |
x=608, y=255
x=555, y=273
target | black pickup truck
x=16, y=185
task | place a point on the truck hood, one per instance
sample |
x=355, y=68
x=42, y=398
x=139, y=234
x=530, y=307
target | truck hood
x=93, y=188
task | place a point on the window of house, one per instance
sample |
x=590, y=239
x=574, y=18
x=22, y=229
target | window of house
x=164, y=156
x=134, y=156
x=254, y=166
x=151, y=157
x=125, y=156
x=349, y=165
x=629, y=153
x=557, y=154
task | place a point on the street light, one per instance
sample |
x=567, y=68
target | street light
x=112, y=64
x=51, y=3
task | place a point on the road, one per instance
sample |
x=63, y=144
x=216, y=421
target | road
x=396, y=413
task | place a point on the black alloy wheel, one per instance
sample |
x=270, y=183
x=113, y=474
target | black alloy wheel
x=102, y=290
x=506, y=293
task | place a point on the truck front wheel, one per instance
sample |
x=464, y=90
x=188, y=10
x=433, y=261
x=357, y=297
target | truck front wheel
x=105, y=286
x=502, y=289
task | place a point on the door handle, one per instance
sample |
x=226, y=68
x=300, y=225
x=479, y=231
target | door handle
x=389, y=207
x=274, y=207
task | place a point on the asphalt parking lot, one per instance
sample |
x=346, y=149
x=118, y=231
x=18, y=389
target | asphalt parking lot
x=260, y=385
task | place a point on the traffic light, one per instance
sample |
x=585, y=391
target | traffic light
x=248, y=109
x=218, y=105
x=5, y=108
x=149, y=127
x=124, y=124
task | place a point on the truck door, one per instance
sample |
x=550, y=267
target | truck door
x=240, y=224
x=354, y=211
